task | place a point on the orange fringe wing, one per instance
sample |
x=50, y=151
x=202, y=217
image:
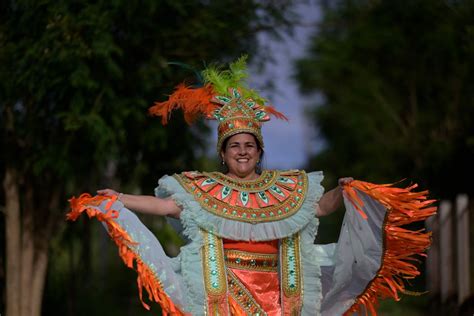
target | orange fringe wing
x=400, y=244
x=146, y=278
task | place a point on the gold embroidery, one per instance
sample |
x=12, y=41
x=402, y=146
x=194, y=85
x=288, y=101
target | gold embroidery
x=291, y=275
x=275, y=195
x=242, y=296
x=214, y=271
x=290, y=254
x=251, y=261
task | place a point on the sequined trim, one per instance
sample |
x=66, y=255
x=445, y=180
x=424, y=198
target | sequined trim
x=214, y=272
x=291, y=272
x=242, y=296
x=275, y=195
x=251, y=261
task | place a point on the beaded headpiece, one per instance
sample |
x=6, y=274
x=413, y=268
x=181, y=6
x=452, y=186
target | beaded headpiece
x=224, y=97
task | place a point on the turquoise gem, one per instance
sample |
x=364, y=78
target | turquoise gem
x=225, y=192
x=215, y=285
x=213, y=272
x=260, y=114
x=254, y=215
x=263, y=215
x=271, y=214
x=237, y=260
x=212, y=258
x=224, y=99
x=208, y=181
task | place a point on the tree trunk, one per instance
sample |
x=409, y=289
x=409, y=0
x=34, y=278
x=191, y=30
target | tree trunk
x=37, y=288
x=27, y=251
x=12, y=230
x=48, y=222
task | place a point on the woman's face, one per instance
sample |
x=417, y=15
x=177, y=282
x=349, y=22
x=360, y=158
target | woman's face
x=241, y=155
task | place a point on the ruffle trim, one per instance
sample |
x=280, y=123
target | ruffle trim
x=146, y=278
x=400, y=244
x=235, y=230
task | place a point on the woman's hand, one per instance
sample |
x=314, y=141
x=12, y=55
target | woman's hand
x=332, y=200
x=344, y=181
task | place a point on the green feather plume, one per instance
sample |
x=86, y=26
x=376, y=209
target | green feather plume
x=234, y=77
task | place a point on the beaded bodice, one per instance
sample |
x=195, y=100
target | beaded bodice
x=273, y=196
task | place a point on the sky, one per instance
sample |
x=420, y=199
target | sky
x=287, y=144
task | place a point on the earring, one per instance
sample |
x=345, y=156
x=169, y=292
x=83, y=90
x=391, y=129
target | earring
x=223, y=162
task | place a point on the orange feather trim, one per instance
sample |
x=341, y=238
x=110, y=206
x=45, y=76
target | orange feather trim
x=400, y=244
x=146, y=278
x=193, y=101
x=271, y=110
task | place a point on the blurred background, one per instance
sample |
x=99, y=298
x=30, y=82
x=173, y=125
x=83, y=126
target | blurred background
x=379, y=90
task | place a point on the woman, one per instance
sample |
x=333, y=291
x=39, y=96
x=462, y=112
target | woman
x=251, y=235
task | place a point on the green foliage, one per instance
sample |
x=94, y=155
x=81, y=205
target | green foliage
x=397, y=94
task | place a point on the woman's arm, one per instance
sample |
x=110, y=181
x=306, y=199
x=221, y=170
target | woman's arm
x=146, y=204
x=332, y=200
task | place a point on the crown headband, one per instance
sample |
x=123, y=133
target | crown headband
x=224, y=97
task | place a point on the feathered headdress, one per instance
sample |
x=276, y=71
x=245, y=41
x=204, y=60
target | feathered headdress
x=224, y=97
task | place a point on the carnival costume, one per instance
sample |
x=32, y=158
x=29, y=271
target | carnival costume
x=251, y=244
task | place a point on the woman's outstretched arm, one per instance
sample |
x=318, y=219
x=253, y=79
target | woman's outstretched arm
x=146, y=204
x=332, y=200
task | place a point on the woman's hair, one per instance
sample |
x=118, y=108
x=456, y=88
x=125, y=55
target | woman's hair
x=259, y=147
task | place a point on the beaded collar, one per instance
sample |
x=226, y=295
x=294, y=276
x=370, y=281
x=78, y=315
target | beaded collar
x=273, y=196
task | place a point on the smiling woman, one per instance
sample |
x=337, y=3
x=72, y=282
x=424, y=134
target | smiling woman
x=241, y=153
x=251, y=235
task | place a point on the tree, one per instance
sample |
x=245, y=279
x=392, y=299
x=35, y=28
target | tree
x=396, y=80
x=76, y=79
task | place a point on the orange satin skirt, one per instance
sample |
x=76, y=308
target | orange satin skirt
x=253, y=278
